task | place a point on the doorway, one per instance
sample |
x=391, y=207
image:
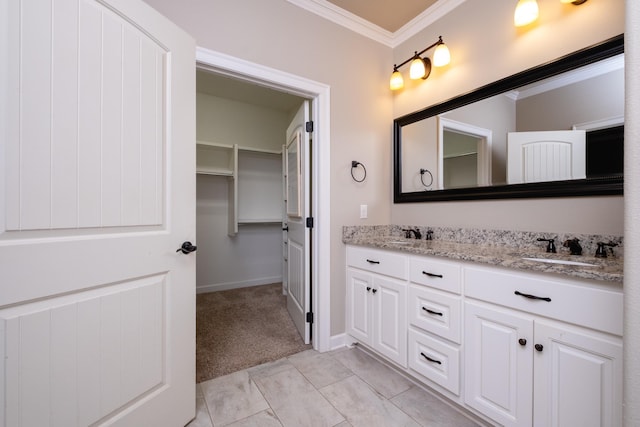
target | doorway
x=319, y=93
x=464, y=154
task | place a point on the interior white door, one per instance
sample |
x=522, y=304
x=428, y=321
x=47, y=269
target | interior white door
x=97, y=191
x=297, y=202
x=546, y=156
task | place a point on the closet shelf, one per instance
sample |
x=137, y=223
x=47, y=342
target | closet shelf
x=255, y=188
x=274, y=221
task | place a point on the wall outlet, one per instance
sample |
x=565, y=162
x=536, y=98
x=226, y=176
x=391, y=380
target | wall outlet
x=363, y=211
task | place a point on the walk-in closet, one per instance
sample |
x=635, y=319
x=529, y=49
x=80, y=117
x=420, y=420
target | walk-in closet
x=240, y=131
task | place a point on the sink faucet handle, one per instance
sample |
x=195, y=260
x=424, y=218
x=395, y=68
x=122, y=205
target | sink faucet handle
x=601, y=252
x=429, y=235
x=551, y=247
x=417, y=233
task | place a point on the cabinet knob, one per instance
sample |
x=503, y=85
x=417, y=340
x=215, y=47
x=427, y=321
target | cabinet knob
x=368, y=288
x=522, y=341
x=374, y=290
x=539, y=347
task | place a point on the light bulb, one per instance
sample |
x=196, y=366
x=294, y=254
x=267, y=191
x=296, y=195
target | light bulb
x=417, y=69
x=441, y=56
x=396, y=82
x=526, y=12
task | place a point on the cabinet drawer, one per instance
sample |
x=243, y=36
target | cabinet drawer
x=435, y=311
x=435, y=360
x=567, y=300
x=437, y=274
x=376, y=261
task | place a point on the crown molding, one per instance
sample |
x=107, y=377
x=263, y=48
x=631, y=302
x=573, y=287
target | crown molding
x=363, y=27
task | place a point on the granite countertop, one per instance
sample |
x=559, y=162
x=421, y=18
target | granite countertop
x=604, y=269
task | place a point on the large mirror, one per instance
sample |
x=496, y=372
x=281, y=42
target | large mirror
x=555, y=130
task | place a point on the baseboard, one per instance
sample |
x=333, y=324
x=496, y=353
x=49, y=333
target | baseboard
x=237, y=285
x=338, y=341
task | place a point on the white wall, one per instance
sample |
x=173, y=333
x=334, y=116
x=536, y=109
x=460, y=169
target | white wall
x=254, y=255
x=485, y=46
x=279, y=35
x=225, y=121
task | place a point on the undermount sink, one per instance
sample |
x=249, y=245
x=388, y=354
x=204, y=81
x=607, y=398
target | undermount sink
x=560, y=261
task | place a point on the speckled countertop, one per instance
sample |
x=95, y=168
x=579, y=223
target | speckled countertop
x=503, y=251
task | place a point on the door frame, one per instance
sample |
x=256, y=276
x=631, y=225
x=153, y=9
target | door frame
x=319, y=94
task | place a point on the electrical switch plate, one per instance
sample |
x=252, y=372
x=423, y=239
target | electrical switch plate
x=363, y=211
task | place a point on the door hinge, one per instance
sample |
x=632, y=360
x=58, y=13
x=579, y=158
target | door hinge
x=309, y=126
x=309, y=317
x=310, y=222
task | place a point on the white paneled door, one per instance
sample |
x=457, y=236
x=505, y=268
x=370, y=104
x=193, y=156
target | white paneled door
x=97, y=192
x=297, y=183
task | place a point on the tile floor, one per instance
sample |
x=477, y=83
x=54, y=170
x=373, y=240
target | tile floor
x=341, y=388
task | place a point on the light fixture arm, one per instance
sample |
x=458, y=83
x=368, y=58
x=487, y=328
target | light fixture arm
x=417, y=54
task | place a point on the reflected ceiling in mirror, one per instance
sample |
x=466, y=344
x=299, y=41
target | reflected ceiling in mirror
x=496, y=142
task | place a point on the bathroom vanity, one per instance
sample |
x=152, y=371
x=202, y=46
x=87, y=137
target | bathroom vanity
x=514, y=335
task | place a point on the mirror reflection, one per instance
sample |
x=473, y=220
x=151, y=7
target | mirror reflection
x=565, y=127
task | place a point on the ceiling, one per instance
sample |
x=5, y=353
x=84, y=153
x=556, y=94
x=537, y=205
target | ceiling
x=241, y=91
x=388, y=14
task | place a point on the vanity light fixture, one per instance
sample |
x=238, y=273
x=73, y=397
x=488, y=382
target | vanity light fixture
x=526, y=12
x=421, y=67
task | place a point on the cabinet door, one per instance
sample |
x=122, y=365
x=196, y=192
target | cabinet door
x=498, y=366
x=390, y=318
x=578, y=378
x=359, y=315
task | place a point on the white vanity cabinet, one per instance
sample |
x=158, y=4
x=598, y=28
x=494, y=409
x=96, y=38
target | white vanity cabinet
x=517, y=348
x=528, y=363
x=376, y=301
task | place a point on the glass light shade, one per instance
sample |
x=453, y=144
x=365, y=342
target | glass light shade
x=526, y=12
x=396, y=82
x=417, y=69
x=441, y=56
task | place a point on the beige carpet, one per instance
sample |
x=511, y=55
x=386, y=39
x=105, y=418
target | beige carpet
x=241, y=328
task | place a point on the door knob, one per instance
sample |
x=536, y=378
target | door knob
x=187, y=248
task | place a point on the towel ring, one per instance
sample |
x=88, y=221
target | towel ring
x=422, y=172
x=355, y=164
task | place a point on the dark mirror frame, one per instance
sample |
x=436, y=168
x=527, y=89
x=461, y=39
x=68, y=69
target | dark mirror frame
x=580, y=187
